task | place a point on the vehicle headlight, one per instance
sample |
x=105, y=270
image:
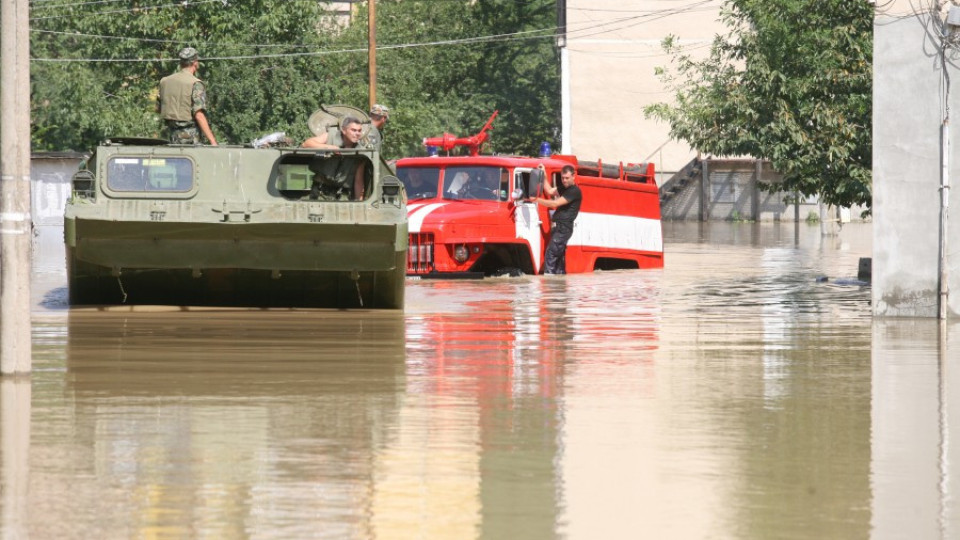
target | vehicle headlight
x=460, y=253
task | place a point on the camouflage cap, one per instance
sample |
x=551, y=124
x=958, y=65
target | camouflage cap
x=379, y=110
x=188, y=53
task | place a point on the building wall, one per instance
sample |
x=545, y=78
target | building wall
x=908, y=99
x=612, y=51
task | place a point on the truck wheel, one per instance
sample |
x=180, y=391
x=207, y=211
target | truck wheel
x=508, y=271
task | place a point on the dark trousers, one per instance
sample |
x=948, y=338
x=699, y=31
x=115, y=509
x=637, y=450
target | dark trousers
x=555, y=260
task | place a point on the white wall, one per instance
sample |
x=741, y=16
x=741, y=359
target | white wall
x=49, y=189
x=907, y=116
x=613, y=49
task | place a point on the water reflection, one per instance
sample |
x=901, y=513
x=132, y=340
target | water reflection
x=224, y=424
x=14, y=456
x=916, y=419
x=500, y=361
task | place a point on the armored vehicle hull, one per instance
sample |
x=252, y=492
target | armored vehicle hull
x=235, y=226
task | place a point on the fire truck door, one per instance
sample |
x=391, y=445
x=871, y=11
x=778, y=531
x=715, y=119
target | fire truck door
x=527, y=219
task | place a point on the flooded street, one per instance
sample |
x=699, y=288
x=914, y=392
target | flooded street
x=732, y=394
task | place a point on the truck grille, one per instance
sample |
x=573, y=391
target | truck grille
x=420, y=253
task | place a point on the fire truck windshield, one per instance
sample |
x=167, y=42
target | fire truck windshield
x=484, y=183
x=419, y=182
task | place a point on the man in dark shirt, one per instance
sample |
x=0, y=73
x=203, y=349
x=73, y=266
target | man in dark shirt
x=565, y=209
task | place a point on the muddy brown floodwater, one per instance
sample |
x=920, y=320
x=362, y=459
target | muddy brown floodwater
x=732, y=394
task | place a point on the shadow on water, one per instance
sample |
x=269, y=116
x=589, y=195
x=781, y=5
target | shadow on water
x=56, y=299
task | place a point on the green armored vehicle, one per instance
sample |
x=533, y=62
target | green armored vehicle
x=153, y=223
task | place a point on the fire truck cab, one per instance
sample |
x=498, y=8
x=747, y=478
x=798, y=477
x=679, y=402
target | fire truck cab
x=469, y=216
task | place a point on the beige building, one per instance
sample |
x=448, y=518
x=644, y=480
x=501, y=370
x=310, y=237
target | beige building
x=609, y=58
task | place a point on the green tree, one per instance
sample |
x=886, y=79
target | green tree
x=521, y=76
x=486, y=55
x=269, y=64
x=86, y=88
x=790, y=82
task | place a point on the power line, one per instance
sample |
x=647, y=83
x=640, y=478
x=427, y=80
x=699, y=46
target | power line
x=34, y=6
x=480, y=39
x=632, y=54
x=183, y=4
x=596, y=28
x=175, y=41
x=606, y=10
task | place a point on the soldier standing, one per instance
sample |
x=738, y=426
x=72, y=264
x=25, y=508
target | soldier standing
x=182, y=102
x=378, y=117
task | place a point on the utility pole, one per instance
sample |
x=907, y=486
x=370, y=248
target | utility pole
x=372, y=49
x=16, y=224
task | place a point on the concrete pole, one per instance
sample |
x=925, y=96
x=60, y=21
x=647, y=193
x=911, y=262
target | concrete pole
x=16, y=224
x=705, y=191
x=14, y=456
x=755, y=196
x=944, y=291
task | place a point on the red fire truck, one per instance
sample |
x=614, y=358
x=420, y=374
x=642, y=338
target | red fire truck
x=468, y=215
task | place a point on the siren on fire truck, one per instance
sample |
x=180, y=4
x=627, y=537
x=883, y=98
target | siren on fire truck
x=468, y=215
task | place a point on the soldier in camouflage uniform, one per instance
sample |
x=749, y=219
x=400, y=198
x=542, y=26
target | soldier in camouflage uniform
x=378, y=117
x=182, y=102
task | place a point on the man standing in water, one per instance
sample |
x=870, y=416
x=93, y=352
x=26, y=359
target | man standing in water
x=182, y=102
x=565, y=209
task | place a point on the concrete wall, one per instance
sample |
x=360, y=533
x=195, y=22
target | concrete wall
x=908, y=99
x=729, y=190
x=612, y=51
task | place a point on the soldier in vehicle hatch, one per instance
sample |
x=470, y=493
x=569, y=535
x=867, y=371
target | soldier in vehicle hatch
x=182, y=102
x=348, y=136
x=334, y=176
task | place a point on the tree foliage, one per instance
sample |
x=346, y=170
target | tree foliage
x=790, y=82
x=269, y=64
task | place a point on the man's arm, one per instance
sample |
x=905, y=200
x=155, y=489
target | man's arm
x=204, y=126
x=199, y=98
x=358, y=187
x=320, y=141
x=552, y=203
x=549, y=190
